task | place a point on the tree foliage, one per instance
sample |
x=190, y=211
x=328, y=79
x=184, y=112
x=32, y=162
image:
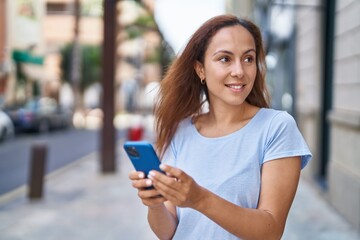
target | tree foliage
x=90, y=64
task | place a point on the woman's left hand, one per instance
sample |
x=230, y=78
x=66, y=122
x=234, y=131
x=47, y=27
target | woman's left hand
x=177, y=187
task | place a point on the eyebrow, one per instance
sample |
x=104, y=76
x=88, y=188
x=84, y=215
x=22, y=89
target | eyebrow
x=229, y=52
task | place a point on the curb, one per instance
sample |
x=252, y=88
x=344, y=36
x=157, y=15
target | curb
x=22, y=190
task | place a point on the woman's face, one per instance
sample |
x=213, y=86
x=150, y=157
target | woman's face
x=229, y=66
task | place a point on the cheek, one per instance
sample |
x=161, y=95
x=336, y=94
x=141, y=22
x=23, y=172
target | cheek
x=216, y=74
x=252, y=71
x=215, y=81
x=251, y=76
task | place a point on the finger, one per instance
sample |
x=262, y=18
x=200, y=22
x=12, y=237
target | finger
x=169, y=192
x=160, y=177
x=142, y=183
x=134, y=175
x=149, y=193
x=174, y=172
x=150, y=202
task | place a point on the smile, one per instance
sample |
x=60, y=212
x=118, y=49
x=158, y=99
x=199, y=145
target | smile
x=233, y=86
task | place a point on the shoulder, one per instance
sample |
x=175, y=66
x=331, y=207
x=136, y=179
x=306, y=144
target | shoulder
x=281, y=125
x=277, y=122
x=275, y=117
x=184, y=124
x=183, y=133
x=270, y=112
x=185, y=128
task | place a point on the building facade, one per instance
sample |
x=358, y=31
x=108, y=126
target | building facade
x=316, y=64
x=344, y=167
x=328, y=87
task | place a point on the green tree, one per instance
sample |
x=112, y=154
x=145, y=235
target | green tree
x=90, y=67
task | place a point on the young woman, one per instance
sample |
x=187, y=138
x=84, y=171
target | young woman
x=231, y=172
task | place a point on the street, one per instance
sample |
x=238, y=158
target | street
x=63, y=147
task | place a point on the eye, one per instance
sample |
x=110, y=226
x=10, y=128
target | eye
x=224, y=59
x=249, y=59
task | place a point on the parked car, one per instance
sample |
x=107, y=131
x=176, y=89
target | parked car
x=6, y=127
x=40, y=114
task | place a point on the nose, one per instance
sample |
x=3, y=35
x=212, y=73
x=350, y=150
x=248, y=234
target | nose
x=237, y=70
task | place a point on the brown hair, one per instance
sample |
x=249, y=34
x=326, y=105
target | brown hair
x=180, y=94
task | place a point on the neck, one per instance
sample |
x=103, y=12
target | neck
x=229, y=115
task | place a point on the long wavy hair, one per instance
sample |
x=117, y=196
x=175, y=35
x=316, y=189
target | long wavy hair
x=181, y=92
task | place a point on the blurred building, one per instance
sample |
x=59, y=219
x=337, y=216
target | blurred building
x=313, y=60
x=20, y=28
x=3, y=71
x=41, y=29
x=28, y=58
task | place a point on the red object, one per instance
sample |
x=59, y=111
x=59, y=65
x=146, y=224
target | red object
x=135, y=133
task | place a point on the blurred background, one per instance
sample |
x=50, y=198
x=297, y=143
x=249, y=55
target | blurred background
x=80, y=76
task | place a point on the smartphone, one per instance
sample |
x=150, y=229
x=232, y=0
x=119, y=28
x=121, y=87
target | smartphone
x=143, y=156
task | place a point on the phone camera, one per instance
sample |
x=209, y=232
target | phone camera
x=132, y=152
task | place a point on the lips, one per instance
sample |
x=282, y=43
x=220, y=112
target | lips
x=235, y=86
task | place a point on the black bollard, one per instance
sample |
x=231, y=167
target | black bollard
x=38, y=162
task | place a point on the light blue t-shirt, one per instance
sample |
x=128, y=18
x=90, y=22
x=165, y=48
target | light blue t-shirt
x=230, y=166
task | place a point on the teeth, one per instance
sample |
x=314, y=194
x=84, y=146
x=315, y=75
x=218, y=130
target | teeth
x=235, y=86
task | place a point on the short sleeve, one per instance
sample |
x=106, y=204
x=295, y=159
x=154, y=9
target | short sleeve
x=285, y=140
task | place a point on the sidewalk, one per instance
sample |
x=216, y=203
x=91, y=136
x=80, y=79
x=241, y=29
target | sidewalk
x=311, y=217
x=81, y=203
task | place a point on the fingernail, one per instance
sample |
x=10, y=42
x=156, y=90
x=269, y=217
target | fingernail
x=148, y=182
x=162, y=166
x=151, y=175
x=141, y=175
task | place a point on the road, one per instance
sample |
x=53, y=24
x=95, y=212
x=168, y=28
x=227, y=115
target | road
x=63, y=147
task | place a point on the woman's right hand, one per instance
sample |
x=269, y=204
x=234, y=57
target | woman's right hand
x=149, y=196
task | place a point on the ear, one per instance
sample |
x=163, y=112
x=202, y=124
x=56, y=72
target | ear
x=199, y=69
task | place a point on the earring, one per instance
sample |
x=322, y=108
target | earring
x=202, y=81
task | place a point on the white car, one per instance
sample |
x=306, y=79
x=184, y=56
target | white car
x=6, y=127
